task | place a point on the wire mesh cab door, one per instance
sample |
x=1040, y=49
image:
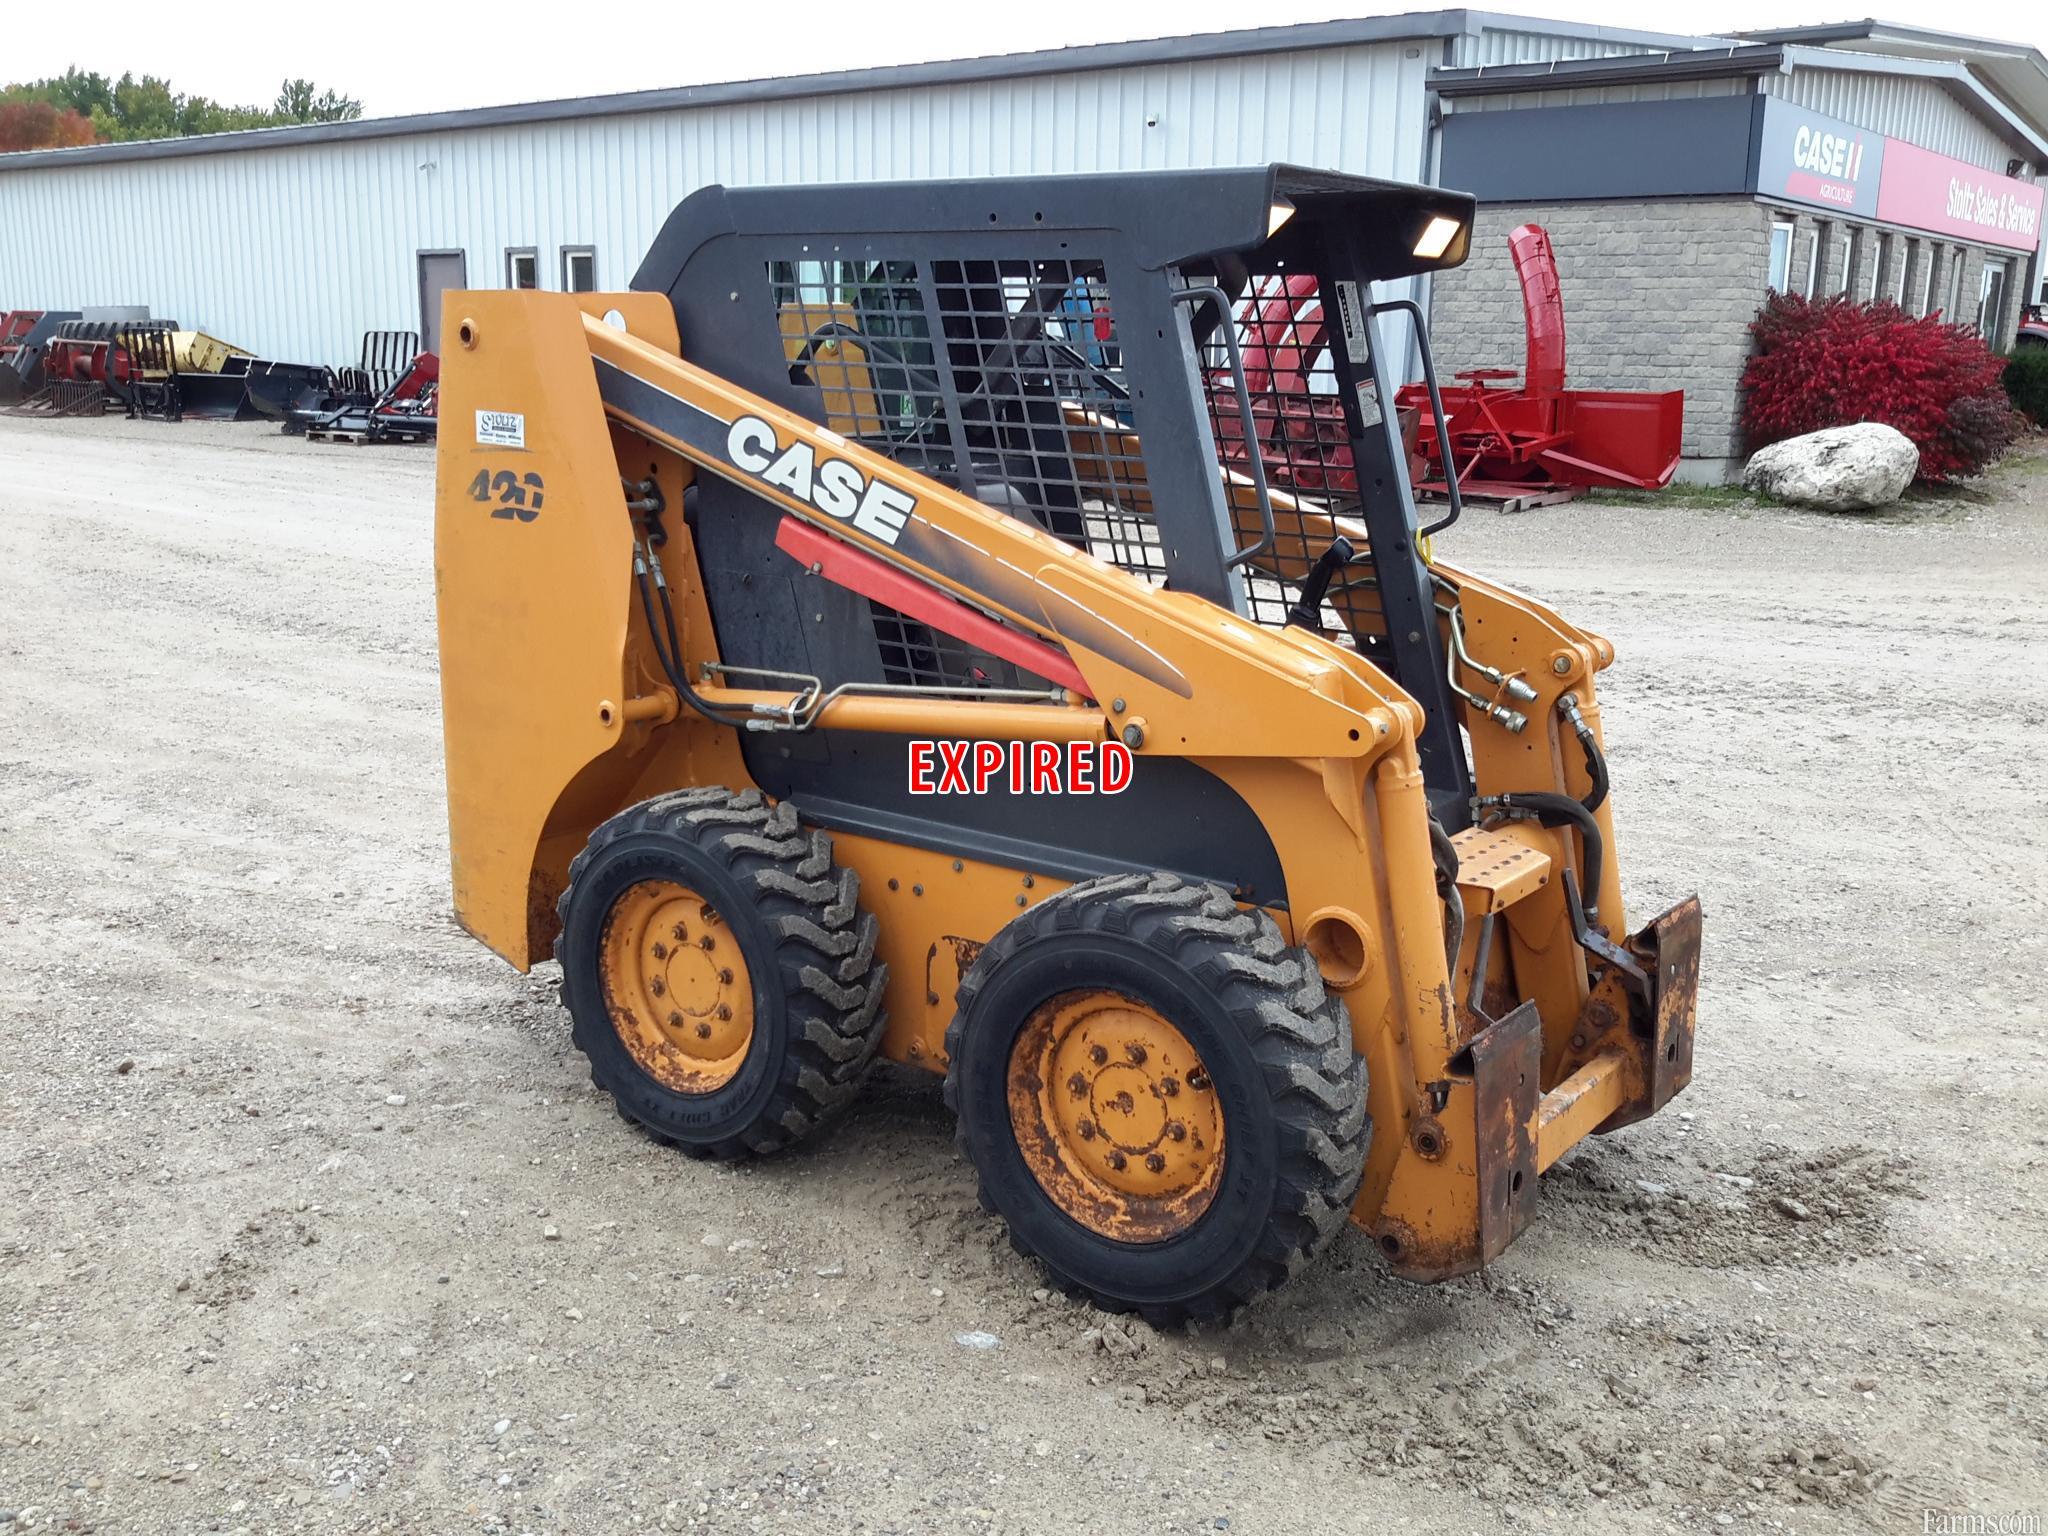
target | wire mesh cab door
x=1033, y=342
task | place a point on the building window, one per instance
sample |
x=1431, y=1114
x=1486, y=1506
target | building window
x=1908, y=255
x=579, y=269
x=1852, y=247
x=1781, y=256
x=1880, y=253
x=1813, y=250
x=1991, y=302
x=522, y=268
x=1955, y=284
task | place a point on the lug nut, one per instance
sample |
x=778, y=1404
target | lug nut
x=1170, y=1086
x=725, y=979
x=1097, y=1054
x=657, y=987
x=1154, y=1161
x=1136, y=1052
x=677, y=933
x=1077, y=1085
x=724, y=1013
x=661, y=951
x=1086, y=1128
x=1116, y=1160
x=675, y=1020
x=703, y=1031
x=1175, y=1131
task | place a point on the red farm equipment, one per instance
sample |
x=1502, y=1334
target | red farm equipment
x=1508, y=440
x=1295, y=413
x=24, y=339
x=86, y=365
x=390, y=398
x=1512, y=443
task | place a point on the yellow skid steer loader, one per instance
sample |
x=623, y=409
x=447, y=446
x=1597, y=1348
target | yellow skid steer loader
x=945, y=619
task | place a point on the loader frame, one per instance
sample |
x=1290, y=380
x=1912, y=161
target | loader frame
x=1302, y=772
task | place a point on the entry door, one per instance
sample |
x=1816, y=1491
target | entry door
x=439, y=270
x=1991, y=303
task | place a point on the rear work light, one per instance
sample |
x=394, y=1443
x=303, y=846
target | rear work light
x=1437, y=237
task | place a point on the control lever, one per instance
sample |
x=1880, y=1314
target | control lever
x=1307, y=609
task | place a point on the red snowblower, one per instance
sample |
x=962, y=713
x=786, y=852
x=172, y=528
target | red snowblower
x=1508, y=440
x=1520, y=445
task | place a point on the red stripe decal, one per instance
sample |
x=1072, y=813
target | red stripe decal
x=859, y=571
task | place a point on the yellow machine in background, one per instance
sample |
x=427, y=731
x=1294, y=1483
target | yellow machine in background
x=800, y=611
x=197, y=352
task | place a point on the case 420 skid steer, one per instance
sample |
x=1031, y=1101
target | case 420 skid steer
x=852, y=639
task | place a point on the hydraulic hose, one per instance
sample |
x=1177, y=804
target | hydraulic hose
x=671, y=657
x=1446, y=857
x=1553, y=810
x=1596, y=763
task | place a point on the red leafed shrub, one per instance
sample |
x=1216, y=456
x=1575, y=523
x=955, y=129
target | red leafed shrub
x=1832, y=362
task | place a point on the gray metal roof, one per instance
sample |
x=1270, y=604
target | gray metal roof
x=2014, y=72
x=1010, y=66
x=1958, y=79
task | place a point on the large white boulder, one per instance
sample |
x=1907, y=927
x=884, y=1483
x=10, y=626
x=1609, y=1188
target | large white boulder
x=1841, y=469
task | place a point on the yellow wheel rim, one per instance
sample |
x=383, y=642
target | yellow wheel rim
x=1116, y=1116
x=676, y=986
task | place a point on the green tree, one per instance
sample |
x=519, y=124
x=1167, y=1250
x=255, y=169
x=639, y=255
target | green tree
x=148, y=107
x=297, y=103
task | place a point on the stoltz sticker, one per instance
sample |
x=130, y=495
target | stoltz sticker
x=501, y=429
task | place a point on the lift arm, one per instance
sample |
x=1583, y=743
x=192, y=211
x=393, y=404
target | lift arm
x=1203, y=680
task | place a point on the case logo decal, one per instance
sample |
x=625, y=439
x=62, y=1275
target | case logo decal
x=833, y=486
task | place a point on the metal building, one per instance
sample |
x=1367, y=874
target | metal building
x=1679, y=188
x=313, y=235
x=1667, y=165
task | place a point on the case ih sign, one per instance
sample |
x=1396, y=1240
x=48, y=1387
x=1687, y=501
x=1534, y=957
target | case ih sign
x=1821, y=160
x=1806, y=158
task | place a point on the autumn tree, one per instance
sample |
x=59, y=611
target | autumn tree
x=148, y=107
x=39, y=125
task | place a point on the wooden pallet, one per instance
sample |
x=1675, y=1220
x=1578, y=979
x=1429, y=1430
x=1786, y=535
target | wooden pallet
x=1517, y=501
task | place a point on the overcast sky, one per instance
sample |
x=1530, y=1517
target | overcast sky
x=426, y=56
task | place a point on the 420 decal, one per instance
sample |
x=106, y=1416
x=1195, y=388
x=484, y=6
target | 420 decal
x=516, y=495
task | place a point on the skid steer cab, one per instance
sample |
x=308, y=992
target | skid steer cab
x=861, y=481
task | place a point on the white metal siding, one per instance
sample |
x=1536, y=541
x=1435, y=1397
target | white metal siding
x=1503, y=46
x=1604, y=95
x=295, y=251
x=1918, y=111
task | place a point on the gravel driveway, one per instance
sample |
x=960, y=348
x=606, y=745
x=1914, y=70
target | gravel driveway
x=311, y=1221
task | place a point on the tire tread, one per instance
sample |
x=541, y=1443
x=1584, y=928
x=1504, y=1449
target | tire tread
x=823, y=955
x=1299, y=1035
